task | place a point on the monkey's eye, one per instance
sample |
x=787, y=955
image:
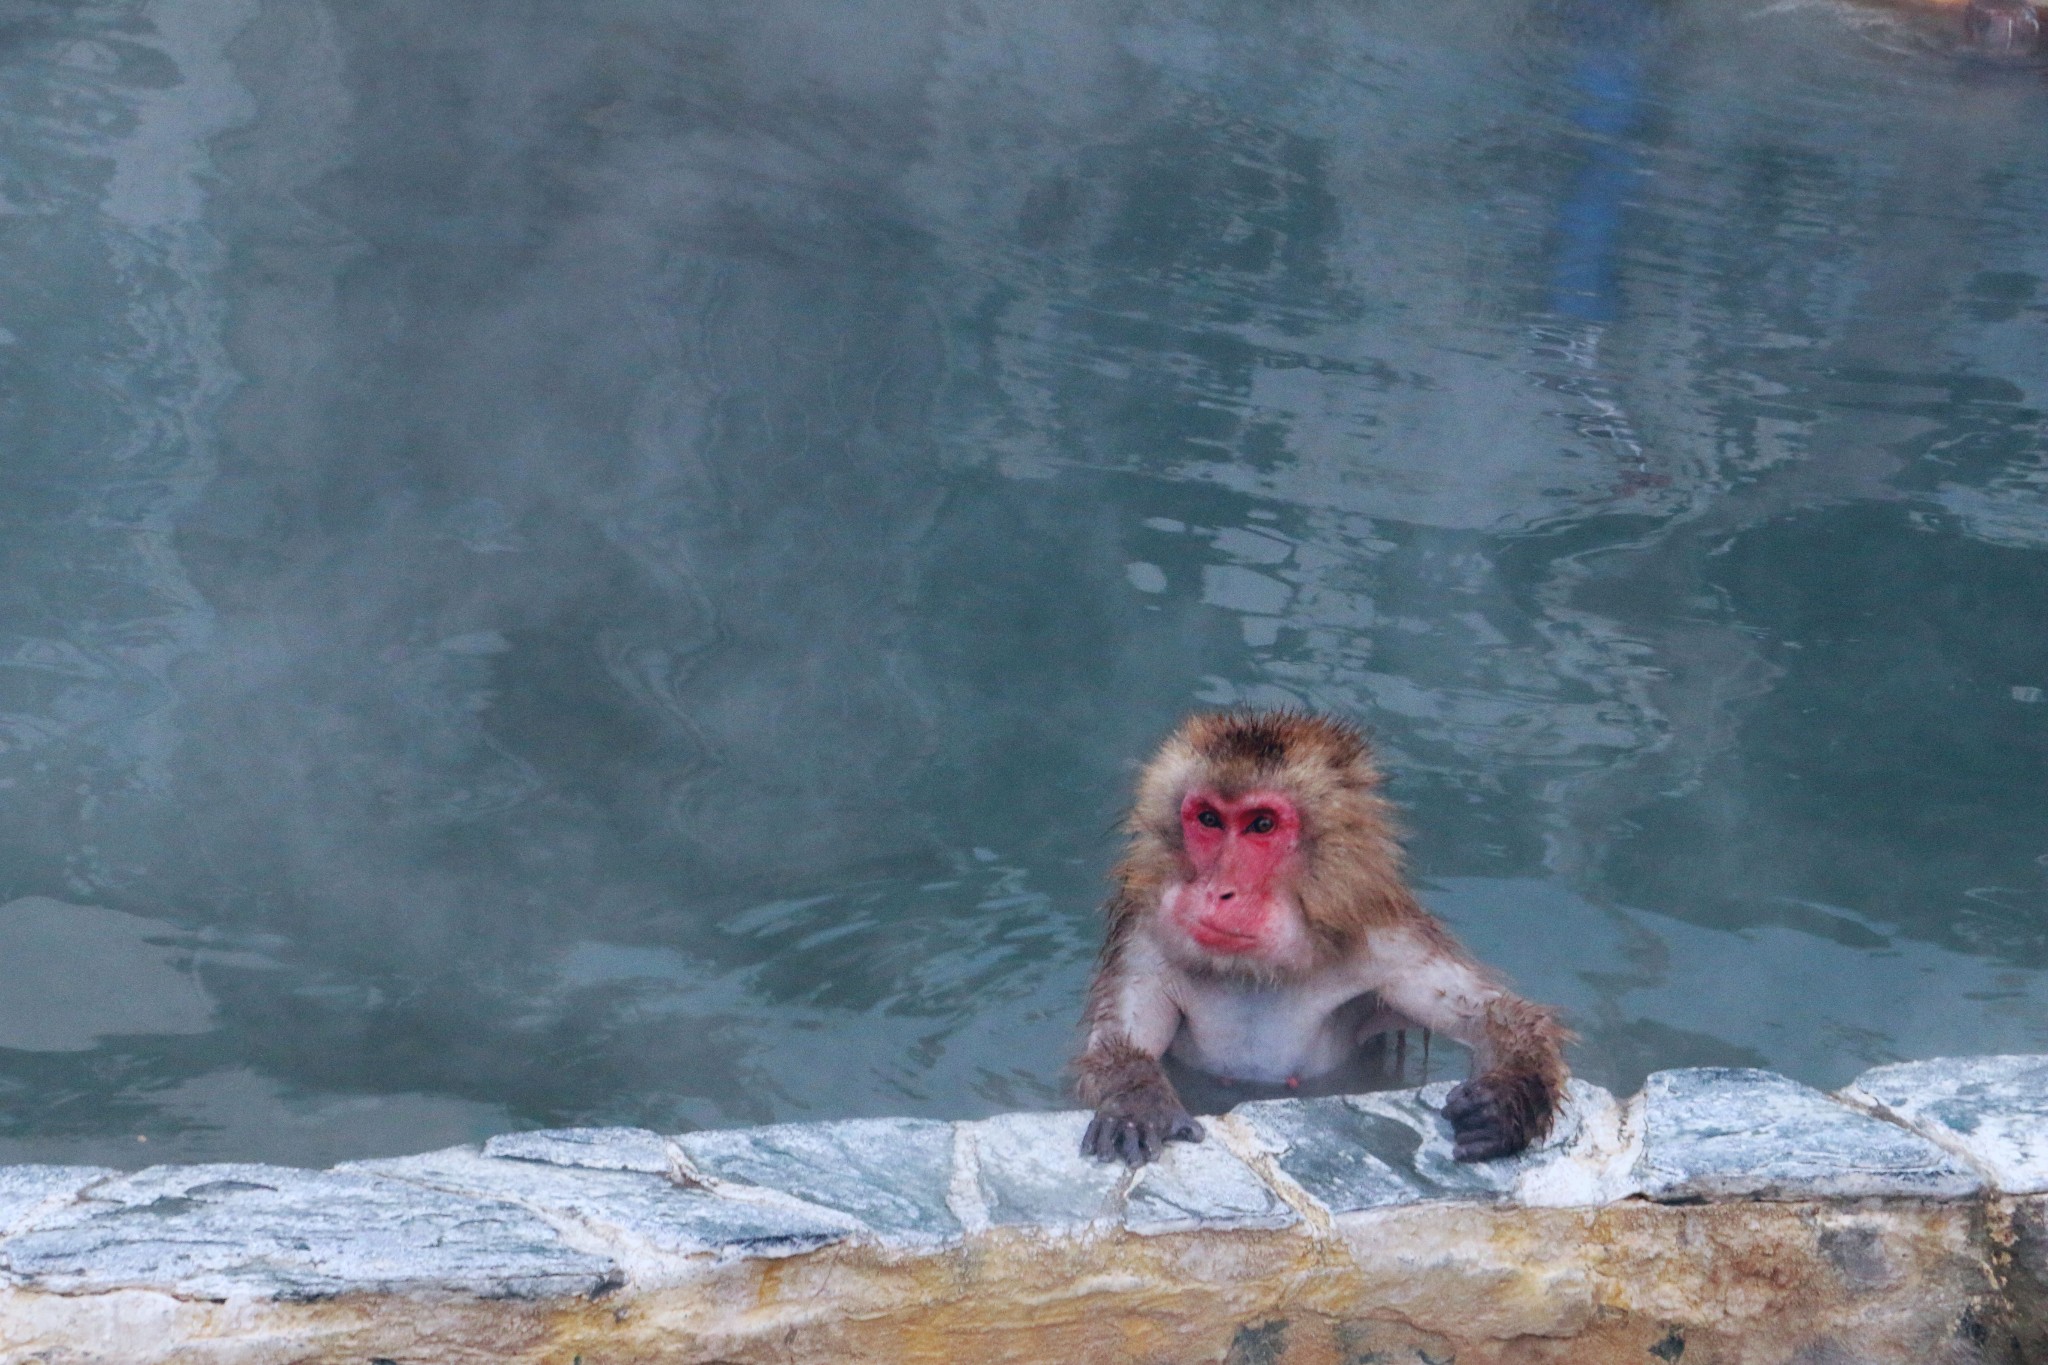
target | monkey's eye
x=1262, y=822
x=1209, y=819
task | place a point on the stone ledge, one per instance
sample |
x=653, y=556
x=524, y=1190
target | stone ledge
x=1719, y=1215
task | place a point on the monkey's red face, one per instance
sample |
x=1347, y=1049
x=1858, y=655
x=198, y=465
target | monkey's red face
x=1239, y=902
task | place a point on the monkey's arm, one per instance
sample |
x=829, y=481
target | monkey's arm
x=1131, y=1022
x=1517, y=1047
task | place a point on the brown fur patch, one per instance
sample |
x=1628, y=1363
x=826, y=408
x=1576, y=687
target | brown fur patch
x=1527, y=1046
x=1114, y=1069
x=1123, y=915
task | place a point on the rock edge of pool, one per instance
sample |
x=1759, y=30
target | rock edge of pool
x=1719, y=1215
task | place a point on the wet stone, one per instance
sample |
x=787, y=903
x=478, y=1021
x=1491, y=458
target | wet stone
x=216, y=1231
x=1030, y=1172
x=893, y=1175
x=1585, y=1159
x=591, y=1149
x=1395, y=1147
x=1992, y=1110
x=654, y=1212
x=1201, y=1184
x=1346, y=1158
x=1735, y=1133
x=1411, y=1134
x=1417, y=1140
x=26, y=1191
x=1366, y=1151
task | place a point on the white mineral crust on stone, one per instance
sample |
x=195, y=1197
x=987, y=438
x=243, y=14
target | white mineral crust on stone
x=1991, y=1111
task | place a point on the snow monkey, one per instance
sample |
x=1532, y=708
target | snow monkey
x=1260, y=928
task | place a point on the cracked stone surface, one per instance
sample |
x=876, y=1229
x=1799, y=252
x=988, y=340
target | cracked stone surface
x=1991, y=1110
x=656, y=1214
x=1030, y=1171
x=26, y=1190
x=1198, y=1185
x=214, y=1231
x=1343, y=1157
x=1736, y=1133
x=893, y=1175
x=887, y=1240
x=590, y=1149
x=1356, y=1152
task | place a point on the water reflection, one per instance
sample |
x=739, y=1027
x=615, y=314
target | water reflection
x=608, y=564
x=84, y=973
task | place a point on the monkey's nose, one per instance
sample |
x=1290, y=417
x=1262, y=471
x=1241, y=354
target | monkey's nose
x=1224, y=896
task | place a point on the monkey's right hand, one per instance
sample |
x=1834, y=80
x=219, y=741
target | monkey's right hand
x=1135, y=1128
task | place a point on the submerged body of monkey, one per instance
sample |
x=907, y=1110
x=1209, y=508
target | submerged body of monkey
x=1261, y=930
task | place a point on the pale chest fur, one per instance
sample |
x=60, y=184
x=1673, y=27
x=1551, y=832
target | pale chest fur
x=1246, y=1032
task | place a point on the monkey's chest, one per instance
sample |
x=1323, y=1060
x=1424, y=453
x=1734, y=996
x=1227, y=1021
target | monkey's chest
x=1264, y=1034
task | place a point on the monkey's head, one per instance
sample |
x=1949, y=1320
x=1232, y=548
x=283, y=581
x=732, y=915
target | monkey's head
x=1268, y=838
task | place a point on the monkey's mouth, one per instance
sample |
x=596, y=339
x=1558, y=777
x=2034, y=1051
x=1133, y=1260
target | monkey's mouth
x=1220, y=940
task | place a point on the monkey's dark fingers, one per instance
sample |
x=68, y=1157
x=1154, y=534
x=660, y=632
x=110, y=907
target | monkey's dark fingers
x=1107, y=1138
x=1186, y=1129
x=1481, y=1129
x=1130, y=1142
x=1484, y=1144
x=1466, y=1101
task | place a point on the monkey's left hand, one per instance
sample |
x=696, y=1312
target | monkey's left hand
x=1496, y=1115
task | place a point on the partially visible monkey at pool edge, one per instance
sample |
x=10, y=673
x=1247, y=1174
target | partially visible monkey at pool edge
x=1261, y=929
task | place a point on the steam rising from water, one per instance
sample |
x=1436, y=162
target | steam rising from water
x=608, y=563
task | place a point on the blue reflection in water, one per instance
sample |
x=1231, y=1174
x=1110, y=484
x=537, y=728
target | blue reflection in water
x=610, y=563
x=1589, y=223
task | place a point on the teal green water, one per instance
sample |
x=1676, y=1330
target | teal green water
x=609, y=561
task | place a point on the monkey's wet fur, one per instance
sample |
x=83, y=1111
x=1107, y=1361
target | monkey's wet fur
x=1261, y=929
